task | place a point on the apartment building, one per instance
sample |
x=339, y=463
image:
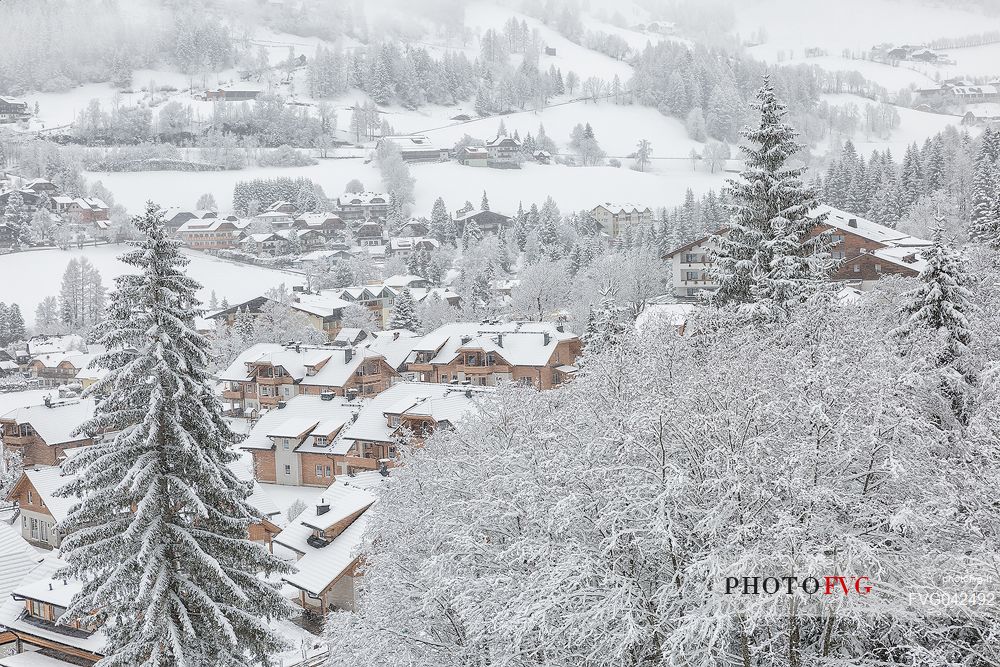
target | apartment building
x=539, y=354
x=863, y=252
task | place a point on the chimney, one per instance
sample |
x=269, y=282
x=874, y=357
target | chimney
x=383, y=468
x=326, y=396
x=348, y=355
x=500, y=339
x=546, y=337
x=298, y=348
x=322, y=508
x=282, y=404
x=853, y=222
x=352, y=394
x=468, y=393
x=466, y=339
x=561, y=328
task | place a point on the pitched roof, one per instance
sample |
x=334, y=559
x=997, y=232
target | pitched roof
x=37, y=583
x=302, y=414
x=17, y=559
x=519, y=343
x=46, y=481
x=56, y=423
x=441, y=402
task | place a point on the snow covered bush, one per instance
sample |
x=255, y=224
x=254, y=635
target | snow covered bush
x=285, y=156
x=596, y=524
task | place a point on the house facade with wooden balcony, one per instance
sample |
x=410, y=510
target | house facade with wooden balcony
x=538, y=354
x=862, y=252
x=325, y=539
x=293, y=444
x=403, y=415
x=267, y=374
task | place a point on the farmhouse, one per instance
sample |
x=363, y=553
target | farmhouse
x=416, y=148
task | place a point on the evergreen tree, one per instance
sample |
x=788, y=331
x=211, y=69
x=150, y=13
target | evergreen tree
x=404, y=313
x=767, y=255
x=5, y=337
x=984, y=225
x=484, y=205
x=439, y=220
x=942, y=303
x=159, y=539
x=606, y=326
x=47, y=314
x=471, y=234
x=16, y=217
x=15, y=324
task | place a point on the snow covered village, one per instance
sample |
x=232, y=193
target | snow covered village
x=507, y=333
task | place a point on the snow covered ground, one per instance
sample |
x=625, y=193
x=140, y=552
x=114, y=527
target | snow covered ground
x=852, y=24
x=892, y=78
x=28, y=277
x=914, y=126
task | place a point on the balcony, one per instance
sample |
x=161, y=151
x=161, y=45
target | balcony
x=362, y=462
x=276, y=380
x=232, y=394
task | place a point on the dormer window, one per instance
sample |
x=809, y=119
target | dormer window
x=393, y=420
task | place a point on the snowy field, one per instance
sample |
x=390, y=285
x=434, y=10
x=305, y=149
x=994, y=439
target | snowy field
x=851, y=24
x=28, y=277
x=892, y=78
x=914, y=126
x=573, y=188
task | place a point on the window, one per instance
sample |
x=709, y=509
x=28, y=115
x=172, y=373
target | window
x=690, y=275
x=444, y=378
x=319, y=471
x=470, y=360
x=878, y=268
x=34, y=529
x=394, y=420
x=288, y=469
x=690, y=258
x=284, y=443
x=857, y=268
x=490, y=359
x=36, y=609
x=30, y=500
x=329, y=472
x=43, y=532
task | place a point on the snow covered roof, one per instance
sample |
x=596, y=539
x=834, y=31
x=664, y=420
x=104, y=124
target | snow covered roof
x=620, y=209
x=362, y=198
x=301, y=417
x=440, y=402
x=500, y=141
x=518, y=343
x=321, y=305
x=33, y=659
x=909, y=258
x=404, y=280
x=318, y=568
x=54, y=423
x=17, y=559
x=48, y=344
x=344, y=500
x=46, y=481
x=395, y=345
x=211, y=224
x=37, y=583
x=865, y=228
x=409, y=242
x=974, y=90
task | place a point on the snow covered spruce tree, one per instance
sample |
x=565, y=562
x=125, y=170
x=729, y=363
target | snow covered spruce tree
x=769, y=256
x=985, y=204
x=404, y=312
x=942, y=303
x=159, y=539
